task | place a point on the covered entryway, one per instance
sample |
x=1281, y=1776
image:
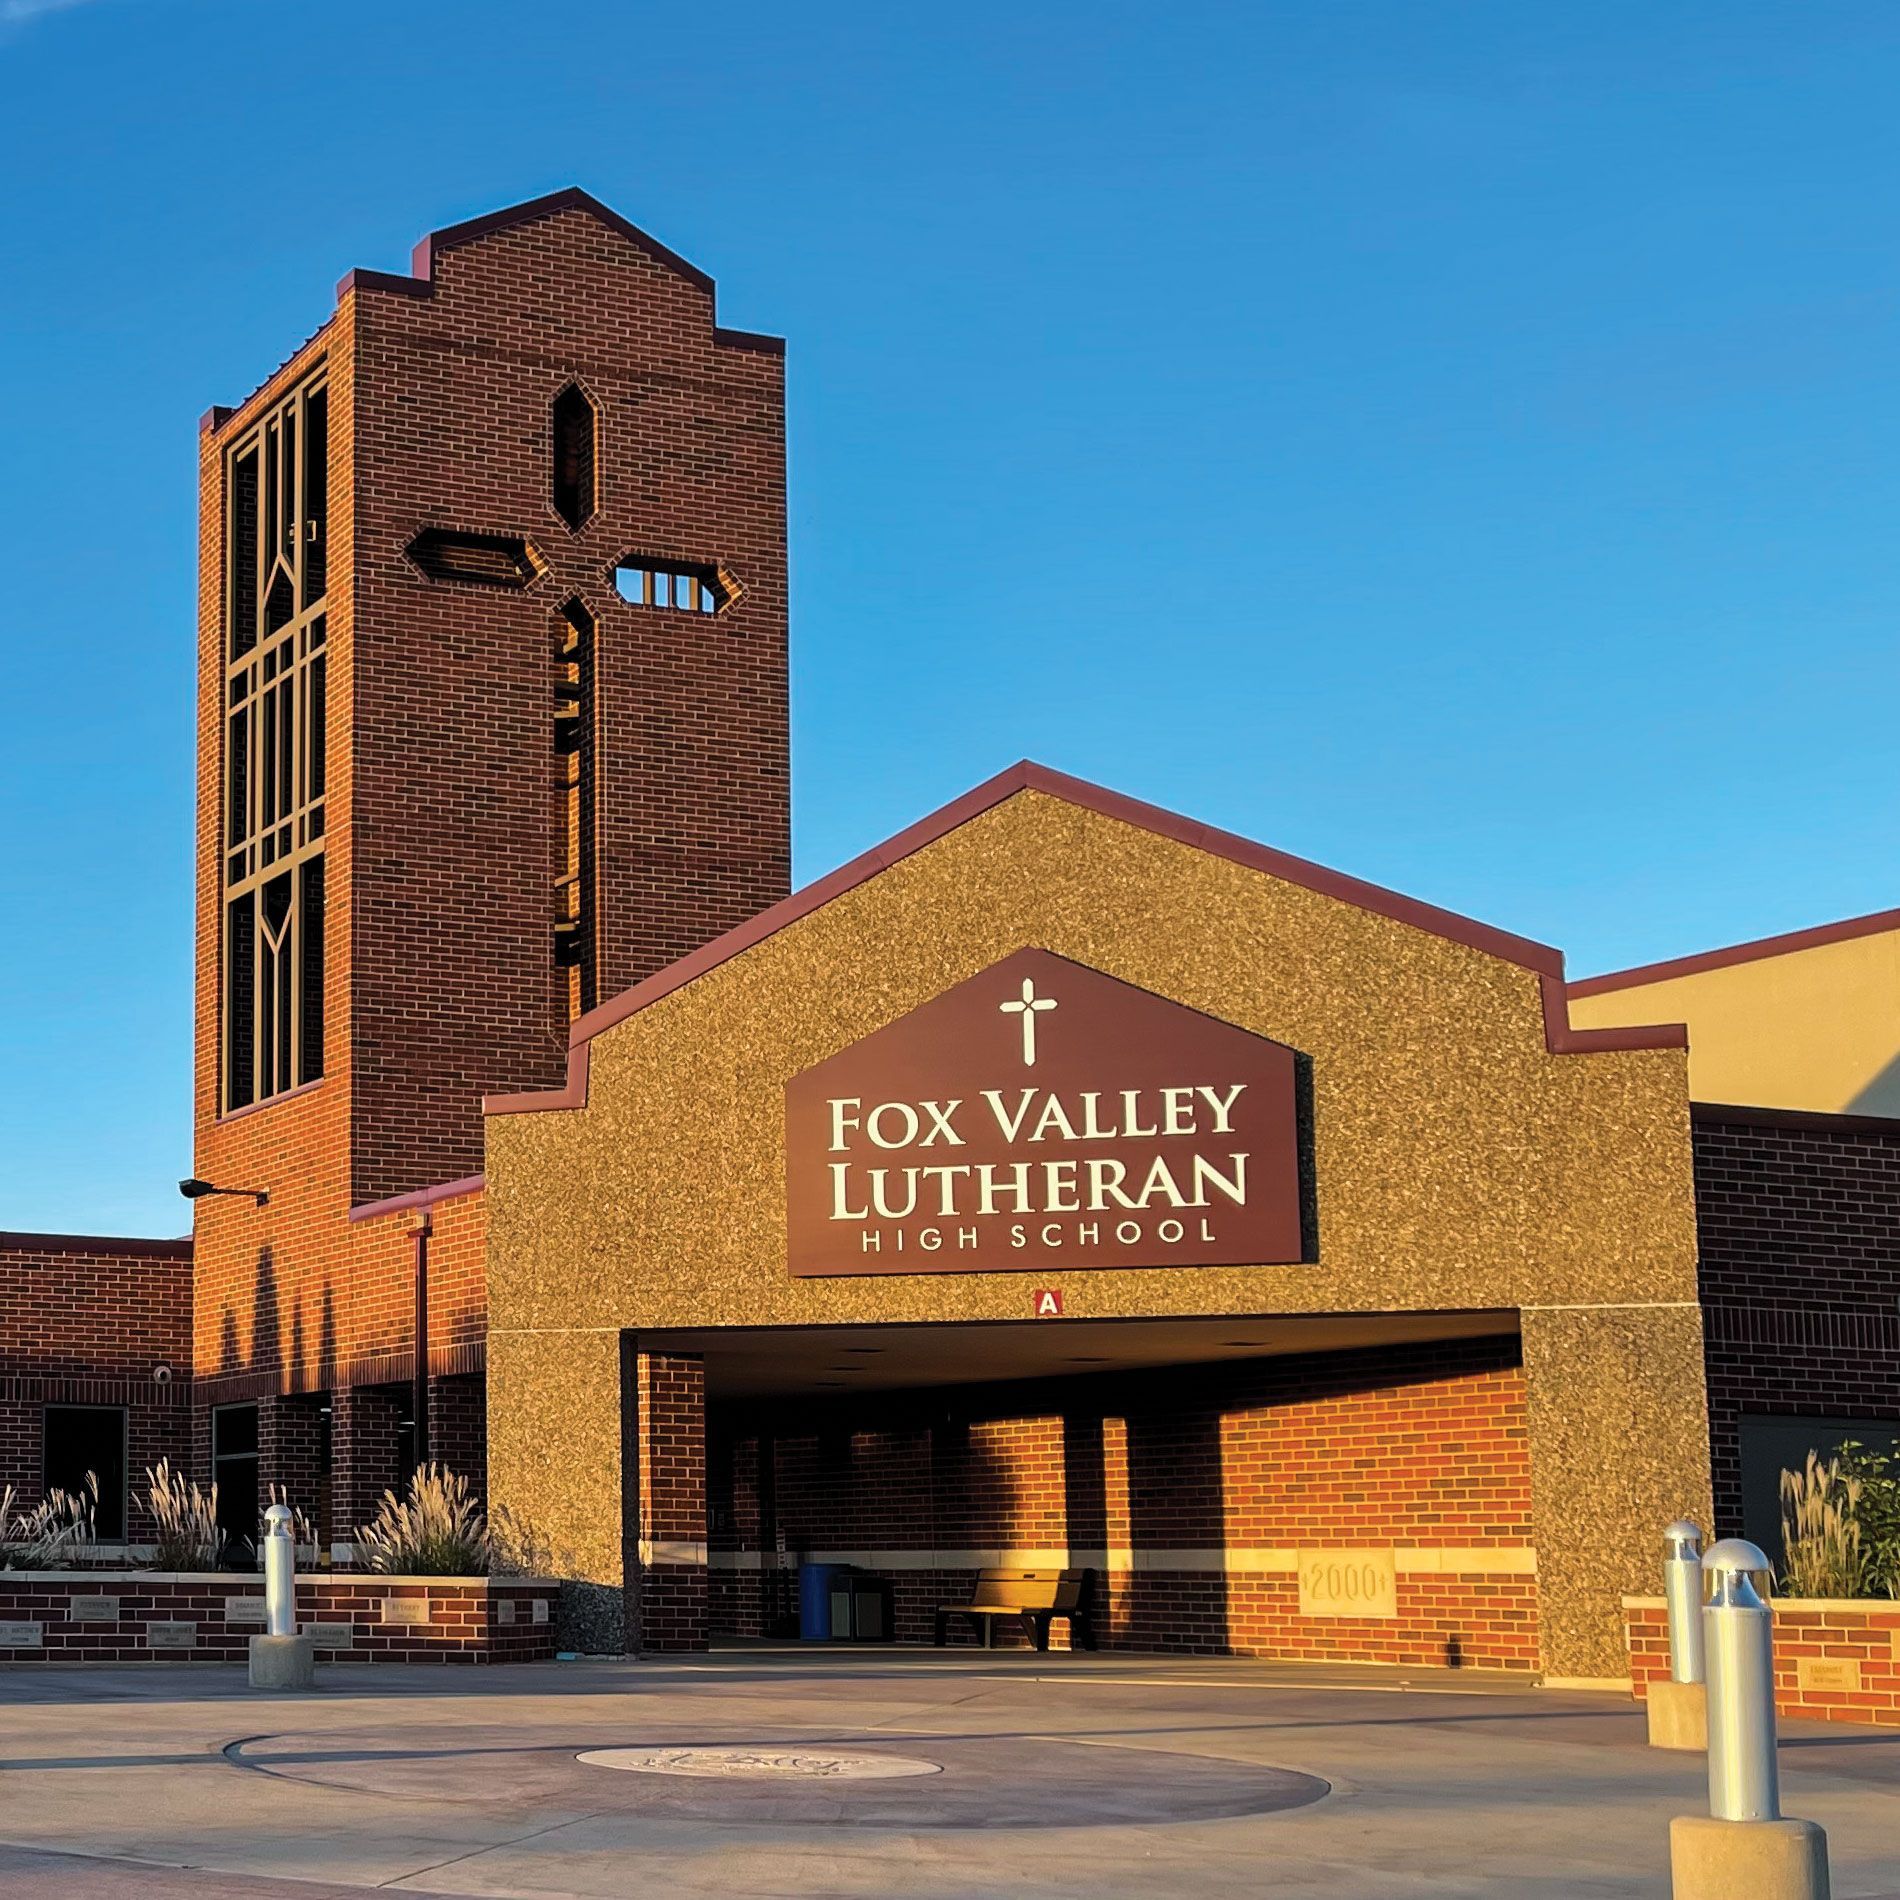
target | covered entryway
x=1311, y=1487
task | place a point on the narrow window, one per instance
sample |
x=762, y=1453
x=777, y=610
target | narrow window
x=275, y=732
x=234, y=1470
x=81, y=1441
x=575, y=918
x=479, y=560
x=575, y=491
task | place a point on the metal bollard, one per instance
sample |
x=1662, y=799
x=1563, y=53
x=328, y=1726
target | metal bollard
x=1739, y=1644
x=280, y=1572
x=1682, y=1587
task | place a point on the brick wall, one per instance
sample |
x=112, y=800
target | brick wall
x=151, y=1616
x=1834, y=1661
x=1213, y=1477
x=1799, y=1223
x=86, y=1321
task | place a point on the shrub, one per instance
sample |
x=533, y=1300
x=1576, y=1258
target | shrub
x=1876, y=1511
x=54, y=1534
x=434, y=1532
x=1820, y=1533
x=187, y=1535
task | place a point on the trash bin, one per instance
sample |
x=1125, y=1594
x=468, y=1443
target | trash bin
x=815, y=1583
x=860, y=1608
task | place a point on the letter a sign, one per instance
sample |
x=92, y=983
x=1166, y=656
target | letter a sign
x=1041, y=1117
x=1048, y=1302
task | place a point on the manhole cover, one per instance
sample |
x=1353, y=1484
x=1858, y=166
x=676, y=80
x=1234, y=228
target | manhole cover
x=759, y=1764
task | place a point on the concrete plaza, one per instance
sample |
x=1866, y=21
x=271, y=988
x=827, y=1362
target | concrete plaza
x=1028, y=1776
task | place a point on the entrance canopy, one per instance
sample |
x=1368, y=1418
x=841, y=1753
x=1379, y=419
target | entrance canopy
x=829, y=1361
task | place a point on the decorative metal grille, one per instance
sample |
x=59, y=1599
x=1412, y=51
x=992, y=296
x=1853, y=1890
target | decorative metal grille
x=274, y=730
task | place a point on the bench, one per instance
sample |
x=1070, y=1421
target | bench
x=1033, y=1597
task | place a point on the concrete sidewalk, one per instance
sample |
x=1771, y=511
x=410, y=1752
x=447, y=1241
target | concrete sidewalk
x=1029, y=1776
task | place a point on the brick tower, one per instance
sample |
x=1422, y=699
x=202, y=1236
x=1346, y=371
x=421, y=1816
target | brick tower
x=492, y=724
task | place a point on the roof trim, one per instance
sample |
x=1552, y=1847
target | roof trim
x=1818, y=1121
x=453, y=237
x=102, y=1244
x=1026, y=776
x=1814, y=938
x=419, y=1198
x=422, y=260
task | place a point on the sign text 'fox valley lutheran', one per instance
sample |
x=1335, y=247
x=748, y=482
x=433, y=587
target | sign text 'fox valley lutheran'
x=1043, y=1113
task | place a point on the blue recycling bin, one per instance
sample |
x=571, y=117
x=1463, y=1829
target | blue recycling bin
x=814, y=1601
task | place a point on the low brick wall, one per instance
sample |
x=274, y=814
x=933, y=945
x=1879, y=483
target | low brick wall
x=137, y=1616
x=1835, y=1660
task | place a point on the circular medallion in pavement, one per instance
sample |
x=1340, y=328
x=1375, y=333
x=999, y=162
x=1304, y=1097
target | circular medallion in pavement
x=759, y=1764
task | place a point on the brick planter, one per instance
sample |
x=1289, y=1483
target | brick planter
x=1835, y=1660
x=137, y=1616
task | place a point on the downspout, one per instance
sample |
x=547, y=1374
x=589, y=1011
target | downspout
x=420, y=1227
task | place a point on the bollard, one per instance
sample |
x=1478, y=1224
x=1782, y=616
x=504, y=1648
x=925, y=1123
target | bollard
x=280, y=1572
x=1744, y=1844
x=1678, y=1710
x=1744, y=1784
x=280, y=1658
x=1682, y=1586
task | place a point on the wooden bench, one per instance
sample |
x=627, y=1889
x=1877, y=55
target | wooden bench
x=1034, y=1597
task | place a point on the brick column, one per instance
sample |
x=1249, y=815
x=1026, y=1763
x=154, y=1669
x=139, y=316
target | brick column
x=458, y=1428
x=668, y=1583
x=362, y=1456
x=290, y=1453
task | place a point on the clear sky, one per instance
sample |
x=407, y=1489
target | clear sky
x=1456, y=440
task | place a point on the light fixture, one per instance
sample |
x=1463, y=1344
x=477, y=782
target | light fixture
x=196, y=1190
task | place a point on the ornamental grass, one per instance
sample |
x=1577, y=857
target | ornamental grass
x=56, y=1534
x=435, y=1531
x=1820, y=1532
x=185, y=1519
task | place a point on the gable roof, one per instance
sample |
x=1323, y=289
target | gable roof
x=1545, y=962
x=421, y=279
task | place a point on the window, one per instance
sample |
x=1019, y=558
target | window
x=275, y=730
x=82, y=1440
x=575, y=921
x=575, y=492
x=479, y=560
x=234, y=1470
x=684, y=586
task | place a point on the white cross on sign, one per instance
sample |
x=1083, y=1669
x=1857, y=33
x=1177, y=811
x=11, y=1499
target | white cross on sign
x=1028, y=1009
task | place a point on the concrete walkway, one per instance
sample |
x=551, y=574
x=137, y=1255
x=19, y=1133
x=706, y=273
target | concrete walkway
x=1102, y=1776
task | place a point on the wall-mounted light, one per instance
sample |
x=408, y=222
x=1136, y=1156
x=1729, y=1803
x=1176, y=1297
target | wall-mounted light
x=196, y=1190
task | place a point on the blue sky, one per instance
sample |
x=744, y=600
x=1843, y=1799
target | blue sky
x=1459, y=442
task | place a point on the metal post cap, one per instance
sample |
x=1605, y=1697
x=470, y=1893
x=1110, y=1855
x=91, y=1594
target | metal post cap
x=1726, y=1567
x=1734, y=1553
x=1682, y=1539
x=277, y=1521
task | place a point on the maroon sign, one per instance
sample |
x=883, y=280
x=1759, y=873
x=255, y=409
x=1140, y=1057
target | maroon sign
x=1044, y=1115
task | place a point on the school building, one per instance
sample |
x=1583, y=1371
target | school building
x=1062, y=1184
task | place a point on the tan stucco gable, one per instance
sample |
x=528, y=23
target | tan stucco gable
x=1458, y=1162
